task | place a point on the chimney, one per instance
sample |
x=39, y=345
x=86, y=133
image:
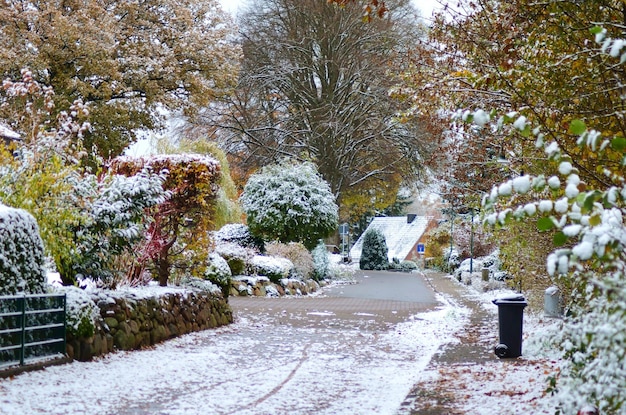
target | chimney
x=410, y=217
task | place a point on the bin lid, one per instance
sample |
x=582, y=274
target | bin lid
x=514, y=299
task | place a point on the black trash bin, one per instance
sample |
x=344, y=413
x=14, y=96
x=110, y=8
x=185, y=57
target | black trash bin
x=510, y=320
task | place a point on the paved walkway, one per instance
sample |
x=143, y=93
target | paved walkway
x=474, y=347
x=378, y=300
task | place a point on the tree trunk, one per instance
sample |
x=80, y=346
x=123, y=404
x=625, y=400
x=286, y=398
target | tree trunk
x=163, y=267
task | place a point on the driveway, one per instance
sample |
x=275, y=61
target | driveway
x=377, y=299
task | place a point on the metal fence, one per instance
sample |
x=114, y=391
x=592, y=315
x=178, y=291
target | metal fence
x=32, y=328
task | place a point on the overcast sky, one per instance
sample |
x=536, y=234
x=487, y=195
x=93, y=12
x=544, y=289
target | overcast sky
x=425, y=6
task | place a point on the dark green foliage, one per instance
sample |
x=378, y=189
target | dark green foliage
x=374, y=253
x=21, y=253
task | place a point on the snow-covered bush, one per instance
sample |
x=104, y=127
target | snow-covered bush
x=116, y=207
x=297, y=254
x=239, y=234
x=374, y=253
x=21, y=253
x=338, y=270
x=274, y=268
x=407, y=265
x=438, y=245
x=589, y=232
x=218, y=271
x=236, y=256
x=81, y=313
x=178, y=236
x=476, y=264
x=290, y=203
x=321, y=262
x=404, y=265
x=201, y=285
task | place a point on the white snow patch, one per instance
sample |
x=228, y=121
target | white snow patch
x=521, y=184
x=545, y=206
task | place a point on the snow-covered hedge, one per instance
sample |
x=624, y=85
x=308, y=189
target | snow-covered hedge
x=21, y=253
x=274, y=268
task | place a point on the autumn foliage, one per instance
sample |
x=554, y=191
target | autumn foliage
x=177, y=234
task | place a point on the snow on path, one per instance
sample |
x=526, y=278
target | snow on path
x=254, y=366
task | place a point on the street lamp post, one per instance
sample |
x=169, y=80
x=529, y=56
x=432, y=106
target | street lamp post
x=472, y=241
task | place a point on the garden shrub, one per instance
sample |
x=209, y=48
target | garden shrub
x=274, y=268
x=239, y=234
x=21, y=253
x=407, y=265
x=218, y=272
x=236, y=256
x=297, y=254
x=321, y=263
x=81, y=312
x=374, y=253
x=201, y=285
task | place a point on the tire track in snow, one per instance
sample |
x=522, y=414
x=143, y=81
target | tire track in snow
x=278, y=387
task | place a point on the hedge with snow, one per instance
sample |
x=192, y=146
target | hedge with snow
x=21, y=253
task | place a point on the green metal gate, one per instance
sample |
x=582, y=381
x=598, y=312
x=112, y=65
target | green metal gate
x=32, y=328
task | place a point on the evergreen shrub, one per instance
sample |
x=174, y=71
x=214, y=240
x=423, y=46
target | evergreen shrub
x=321, y=263
x=21, y=253
x=274, y=268
x=374, y=252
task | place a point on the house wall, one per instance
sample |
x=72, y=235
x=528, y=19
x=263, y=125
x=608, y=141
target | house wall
x=413, y=255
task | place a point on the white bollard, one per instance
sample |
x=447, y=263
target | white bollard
x=552, y=303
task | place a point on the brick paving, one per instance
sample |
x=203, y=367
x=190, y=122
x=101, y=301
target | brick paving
x=371, y=301
x=321, y=311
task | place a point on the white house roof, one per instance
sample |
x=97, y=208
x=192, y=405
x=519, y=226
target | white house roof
x=8, y=133
x=399, y=235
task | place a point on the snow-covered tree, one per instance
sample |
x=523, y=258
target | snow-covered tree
x=589, y=262
x=314, y=86
x=290, y=203
x=374, y=253
x=21, y=253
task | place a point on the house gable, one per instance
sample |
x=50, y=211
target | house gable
x=401, y=235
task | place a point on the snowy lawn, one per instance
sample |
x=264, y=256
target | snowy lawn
x=254, y=366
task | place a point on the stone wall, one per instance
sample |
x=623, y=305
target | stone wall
x=129, y=323
x=263, y=287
